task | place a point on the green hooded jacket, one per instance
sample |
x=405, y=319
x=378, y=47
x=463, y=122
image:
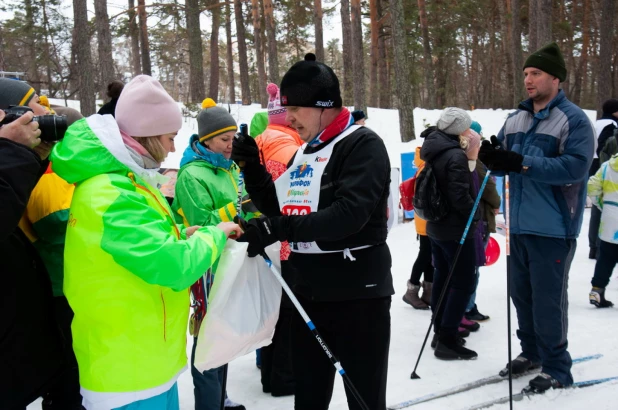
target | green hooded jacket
x=128, y=266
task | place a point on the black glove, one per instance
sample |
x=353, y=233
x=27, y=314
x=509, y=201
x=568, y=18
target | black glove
x=258, y=232
x=245, y=150
x=497, y=159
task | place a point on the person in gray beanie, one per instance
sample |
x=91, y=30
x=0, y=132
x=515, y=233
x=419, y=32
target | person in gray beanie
x=442, y=152
x=14, y=92
x=454, y=121
x=206, y=193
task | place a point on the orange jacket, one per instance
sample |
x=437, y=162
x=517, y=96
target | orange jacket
x=278, y=143
x=421, y=224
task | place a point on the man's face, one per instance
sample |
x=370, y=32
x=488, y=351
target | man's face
x=306, y=120
x=539, y=85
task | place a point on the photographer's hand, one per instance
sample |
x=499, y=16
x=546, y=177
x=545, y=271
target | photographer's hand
x=23, y=131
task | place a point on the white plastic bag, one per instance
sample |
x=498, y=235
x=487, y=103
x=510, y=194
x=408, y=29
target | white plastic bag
x=243, y=307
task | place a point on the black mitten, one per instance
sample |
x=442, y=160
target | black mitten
x=258, y=232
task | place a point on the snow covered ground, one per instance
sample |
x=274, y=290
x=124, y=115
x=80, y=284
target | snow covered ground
x=591, y=330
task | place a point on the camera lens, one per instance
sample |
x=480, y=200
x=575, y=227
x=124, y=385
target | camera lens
x=52, y=127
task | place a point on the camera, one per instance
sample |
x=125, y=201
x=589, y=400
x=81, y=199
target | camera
x=52, y=127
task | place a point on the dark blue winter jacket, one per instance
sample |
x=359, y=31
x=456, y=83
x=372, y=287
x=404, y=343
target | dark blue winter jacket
x=557, y=143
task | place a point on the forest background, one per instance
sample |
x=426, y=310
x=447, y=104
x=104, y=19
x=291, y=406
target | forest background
x=395, y=54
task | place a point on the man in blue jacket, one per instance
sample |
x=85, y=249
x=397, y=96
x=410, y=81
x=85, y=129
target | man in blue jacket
x=546, y=147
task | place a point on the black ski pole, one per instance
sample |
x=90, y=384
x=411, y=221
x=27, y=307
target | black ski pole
x=414, y=375
x=318, y=337
x=507, y=218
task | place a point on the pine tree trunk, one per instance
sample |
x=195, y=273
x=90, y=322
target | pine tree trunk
x=402, y=80
x=543, y=23
x=230, y=55
x=428, y=66
x=84, y=59
x=506, y=30
x=319, y=32
x=533, y=18
x=34, y=76
x=104, y=37
x=242, y=53
x=373, y=71
x=259, y=52
x=136, y=64
x=214, y=54
x=518, y=58
x=582, y=68
x=196, y=68
x=271, y=35
x=606, y=48
x=347, y=52
x=383, y=67
x=143, y=36
x=358, y=57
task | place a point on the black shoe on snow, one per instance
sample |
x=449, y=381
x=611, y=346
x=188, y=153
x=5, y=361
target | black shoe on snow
x=519, y=365
x=597, y=298
x=542, y=383
x=463, y=332
x=475, y=315
x=448, y=348
x=434, y=342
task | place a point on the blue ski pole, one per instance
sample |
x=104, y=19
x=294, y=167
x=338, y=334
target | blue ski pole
x=451, y=270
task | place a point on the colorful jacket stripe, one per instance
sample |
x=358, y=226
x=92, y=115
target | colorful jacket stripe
x=127, y=266
x=603, y=189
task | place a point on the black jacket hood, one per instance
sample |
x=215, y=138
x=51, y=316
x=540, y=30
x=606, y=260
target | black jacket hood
x=436, y=142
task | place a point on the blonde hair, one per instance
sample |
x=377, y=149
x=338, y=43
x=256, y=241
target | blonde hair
x=153, y=146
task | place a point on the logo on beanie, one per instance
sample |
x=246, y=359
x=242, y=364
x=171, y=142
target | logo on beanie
x=325, y=104
x=284, y=99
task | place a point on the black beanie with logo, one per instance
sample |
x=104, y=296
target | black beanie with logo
x=310, y=83
x=549, y=59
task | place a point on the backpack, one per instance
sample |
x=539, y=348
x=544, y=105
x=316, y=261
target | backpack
x=406, y=191
x=609, y=149
x=429, y=202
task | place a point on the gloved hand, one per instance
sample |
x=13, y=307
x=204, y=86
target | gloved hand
x=248, y=206
x=245, y=150
x=497, y=159
x=258, y=232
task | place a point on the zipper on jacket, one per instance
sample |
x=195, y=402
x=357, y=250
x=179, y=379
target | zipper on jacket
x=143, y=188
x=164, y=317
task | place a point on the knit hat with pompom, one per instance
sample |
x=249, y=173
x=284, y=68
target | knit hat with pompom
x=276, y=113
x=214, y=120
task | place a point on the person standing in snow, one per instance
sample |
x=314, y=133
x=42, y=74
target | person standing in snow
x=278, y=144
x=489, y=206
x=604, y=127
x=114, y=89
x=206, y=195
x=330, y=204
x=442, y=151
x=423, y=265
x=546, y=147
x=603, y=189
x=128, y=265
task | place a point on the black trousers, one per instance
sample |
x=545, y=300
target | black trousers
x=423, y=262
x=64, y=393
x=606, y=262
x=593, y=228
x=358, y=334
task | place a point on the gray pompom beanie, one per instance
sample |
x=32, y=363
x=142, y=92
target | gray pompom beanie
x=454, y=121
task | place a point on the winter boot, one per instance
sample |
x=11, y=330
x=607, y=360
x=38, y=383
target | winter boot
x=434, y=341
x=520, y=365
x=475, y=315
x=449, y=349
x=230, y=405
x=541, y=383
x=426, y=297
x=597, y=298
x=463, y=332
x=469, y=324
x=411, y=297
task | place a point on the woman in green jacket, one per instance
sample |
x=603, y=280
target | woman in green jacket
x=128, y=265
x=207, y=194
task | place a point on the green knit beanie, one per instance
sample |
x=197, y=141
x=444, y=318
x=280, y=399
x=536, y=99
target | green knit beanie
x=549, y=59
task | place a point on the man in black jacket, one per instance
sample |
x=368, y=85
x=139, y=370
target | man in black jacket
x=331, y=205
x=442, y=151
x=30, y=343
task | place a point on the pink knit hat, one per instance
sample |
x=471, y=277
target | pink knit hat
x=276, y=113
x=145, y=109
x=470, y=140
